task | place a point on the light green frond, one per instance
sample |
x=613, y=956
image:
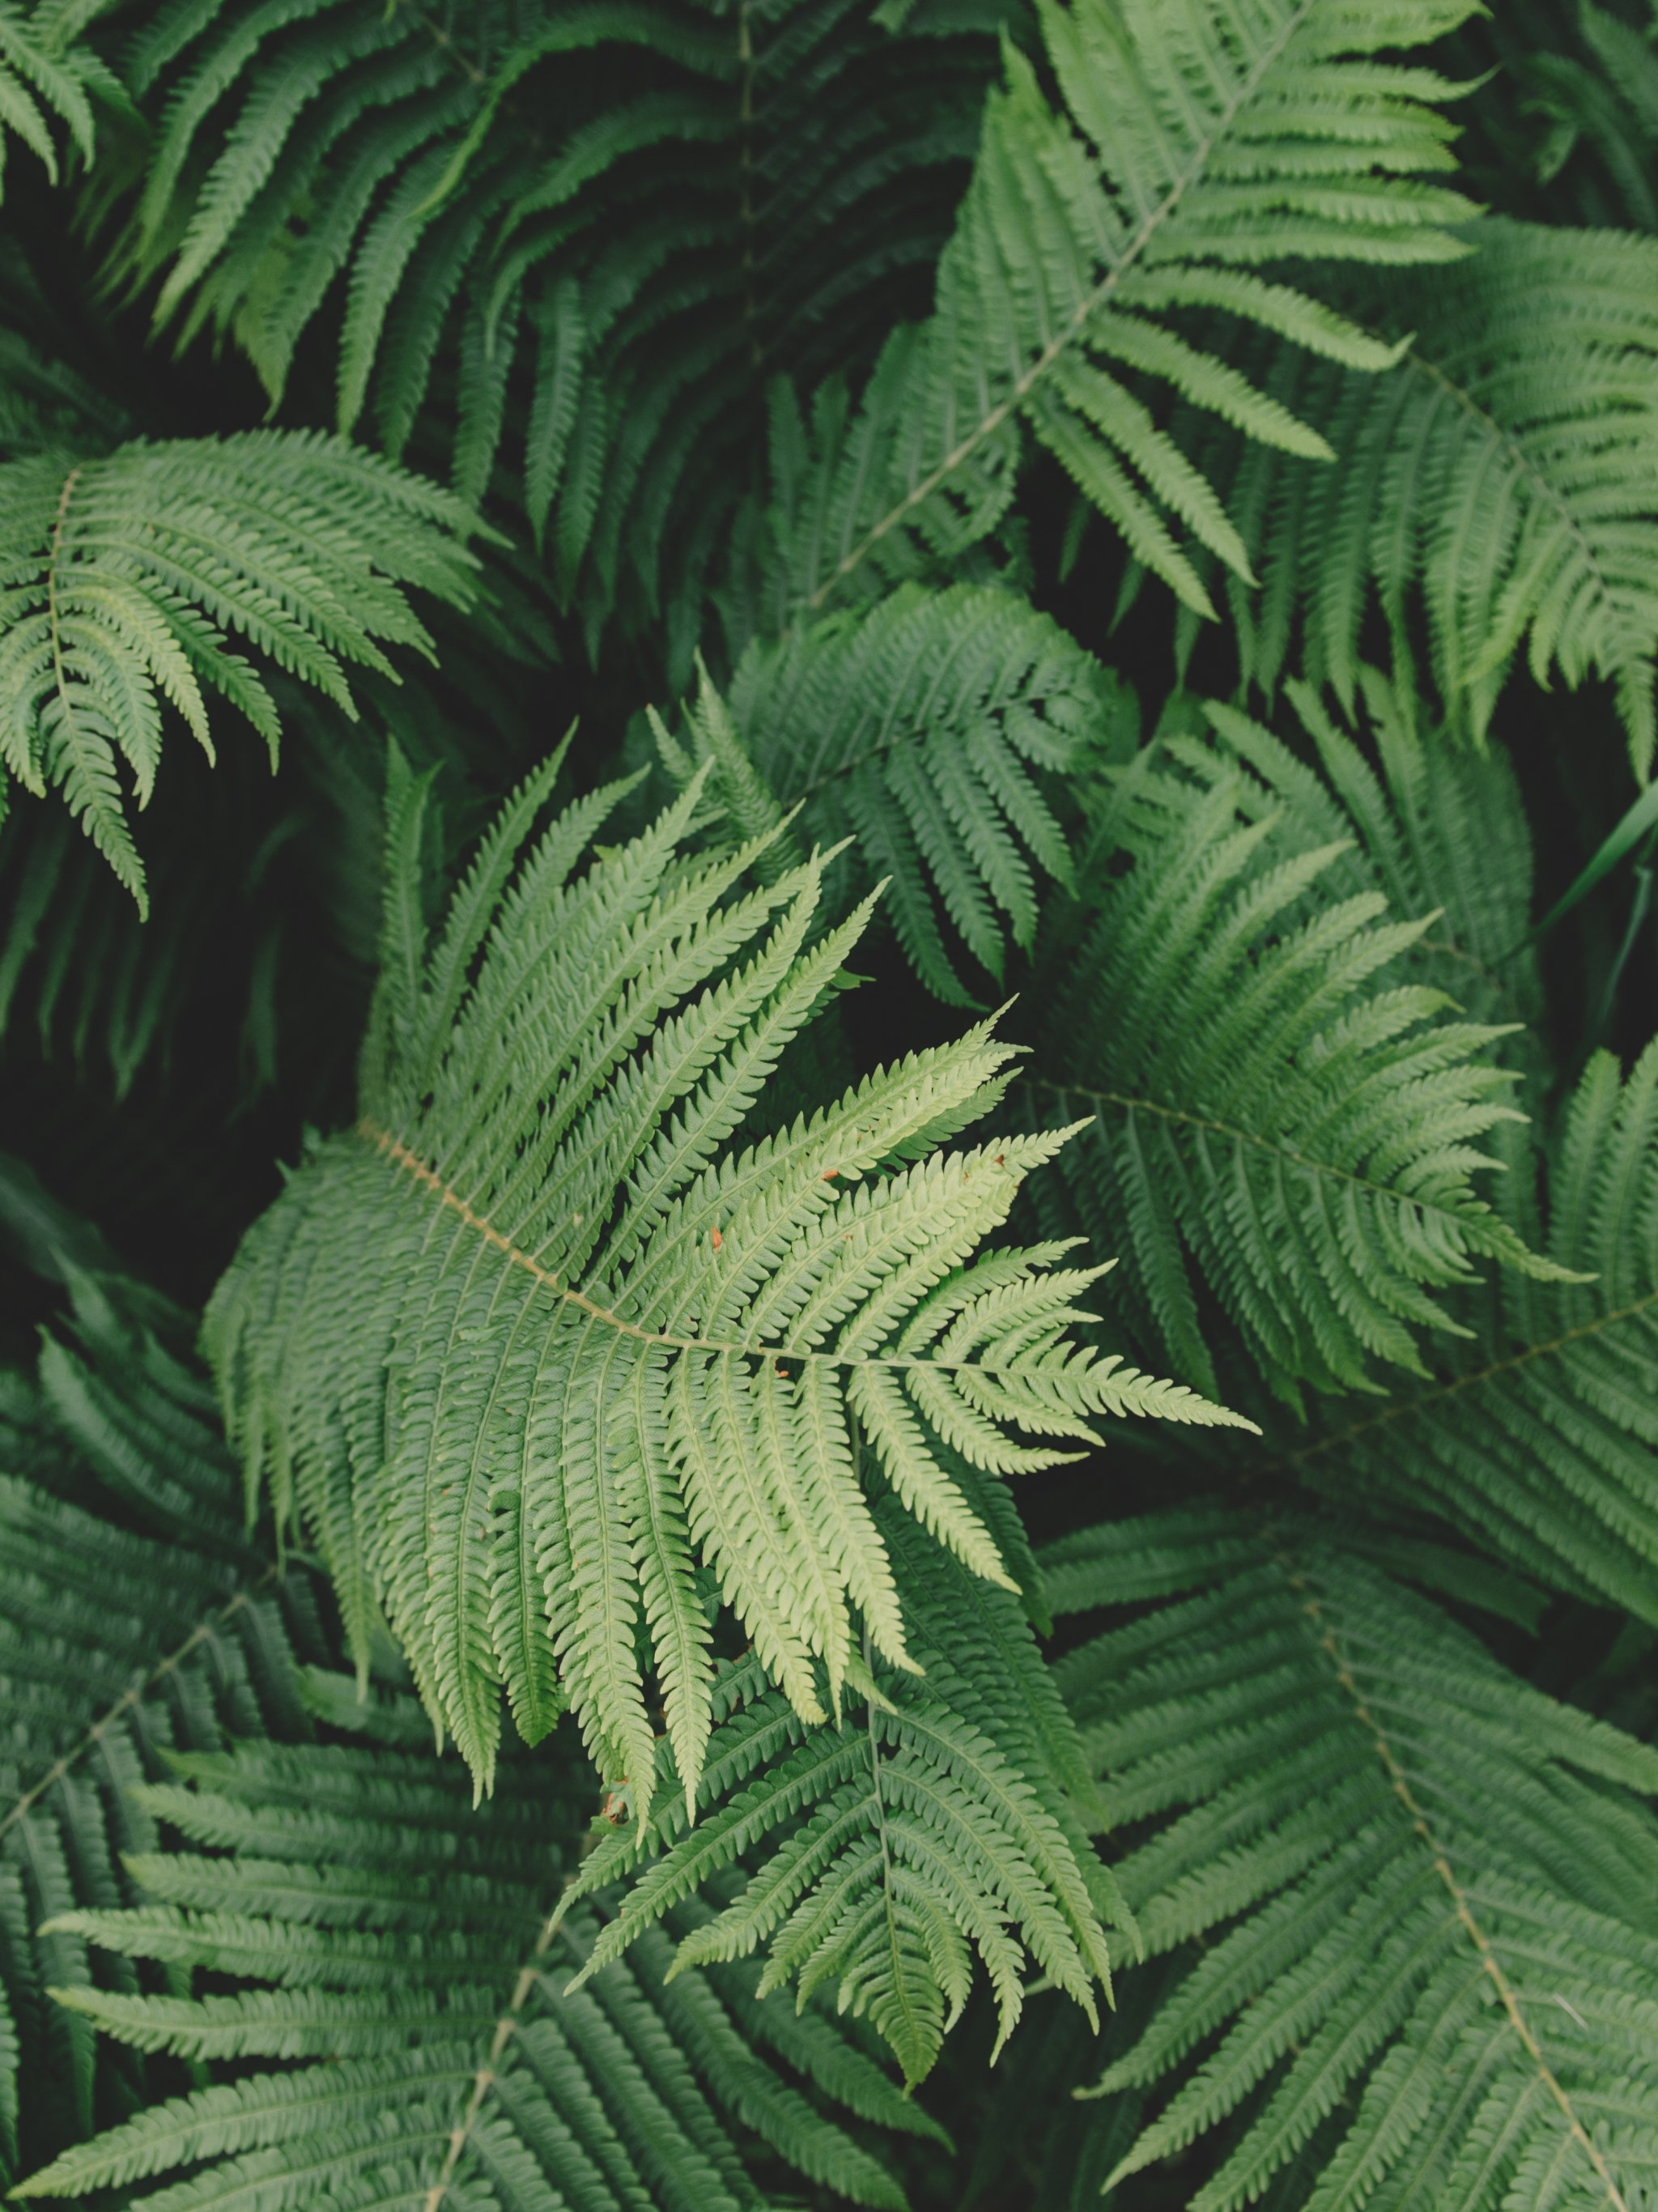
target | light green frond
x=125, y=580
x=49, y=77
x=1417, y=1892
x=614, y=1333
x=1284, y=1120
x=397, y=2023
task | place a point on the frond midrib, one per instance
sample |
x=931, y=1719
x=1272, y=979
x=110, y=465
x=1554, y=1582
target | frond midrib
x=1404, y=1408
x=1317, y=1611
x=133, y=1695
x=1063, y=1091
x=409, y=1162
x=1134, y=246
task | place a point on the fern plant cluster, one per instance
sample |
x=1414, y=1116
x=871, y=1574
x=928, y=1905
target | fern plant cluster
x=829, y=1190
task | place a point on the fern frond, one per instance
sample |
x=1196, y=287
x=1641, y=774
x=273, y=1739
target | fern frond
x=49, y=74
x=388, y=2021
x=1498, y=480
x=1536, y=1437
x=1188, y=151
x=508, y=216
x=1284, y=1120
x=122, y=580
x=611, y=1340
x=921, y=730
x=883, y=1850
x=1439, y=828
x=115, y=1647
x=1425, y=1889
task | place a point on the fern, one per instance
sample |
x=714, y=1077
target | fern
x=1536, y=1439
x=1498, y=480
x=1279, y=1120
x=886, y=1850
x=918, y=733
x=1563, y=129
x=691, y=1339
x=1437, y=828
x=49, y=74
x=385, y=1949
x=1188, y=152
x=510, y=207
x=124, y=578
x=1423, y=1888
x=118, y=1644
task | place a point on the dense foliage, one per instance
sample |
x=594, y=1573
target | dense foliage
x=829, y=1213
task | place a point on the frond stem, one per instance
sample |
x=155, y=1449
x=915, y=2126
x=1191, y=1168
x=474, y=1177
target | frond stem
x=1065, y=1091
x=484, y=2080
x=134, y=1695
x=412, y=1165
x=1408, y=1406
x=1313, y=1609
x=1138, y=241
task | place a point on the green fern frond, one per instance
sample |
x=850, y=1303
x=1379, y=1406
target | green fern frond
x=1536, y=1437
x=115, y=1647
x=1284, y=1120
x=49, y=74
x=1437, y=826
x=612, y=1339
x=931, y=1823
x=388, y=2022
x=922, y=732
x=1191, y=150
x=124, y=578
x=1563, y=126
x=504, y=214
x=1499, y=480
x=1424, y=1889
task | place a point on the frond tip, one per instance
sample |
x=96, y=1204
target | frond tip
x=611, y=1361
x=122, y=580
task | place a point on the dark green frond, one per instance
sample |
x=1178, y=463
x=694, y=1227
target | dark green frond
x=1191, y=155
x=924, y=731
x=116, y=1649
x=1420, y=1892
x=1284, y=1118
x=387, y=2021
x=1536, y=1439
x=1499, y=480
x=589, y=234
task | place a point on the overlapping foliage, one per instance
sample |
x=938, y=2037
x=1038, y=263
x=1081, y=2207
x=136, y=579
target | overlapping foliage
x=1078, y=503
